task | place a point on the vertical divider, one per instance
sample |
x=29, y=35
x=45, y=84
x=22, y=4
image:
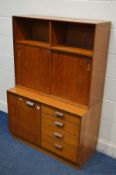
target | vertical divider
x=50, y=33
x=50, y=44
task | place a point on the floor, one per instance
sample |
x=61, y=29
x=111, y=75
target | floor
x=17, y=158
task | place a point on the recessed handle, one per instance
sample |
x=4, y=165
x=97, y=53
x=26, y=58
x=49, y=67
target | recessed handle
x=57, y=146
x=60, y=124
x=20, y=99
x=88, y=66
x=29, y=103
x=56, y=134
x=38, y=107
x=59, y=114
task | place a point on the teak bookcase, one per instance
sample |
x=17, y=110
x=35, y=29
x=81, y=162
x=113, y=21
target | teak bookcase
x=60, y=66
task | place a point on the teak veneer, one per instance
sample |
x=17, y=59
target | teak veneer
x=60, y=66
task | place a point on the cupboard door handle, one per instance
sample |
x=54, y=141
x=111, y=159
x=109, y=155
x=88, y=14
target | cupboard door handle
x=88, y=66
x=59, y=114
x=57, y=123
x=38, y=107
x=20, y=99
x=58, y=146
x=56, y=134
x=29, y=103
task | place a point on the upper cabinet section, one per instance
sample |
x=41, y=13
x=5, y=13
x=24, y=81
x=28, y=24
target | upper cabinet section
x=82, y=37
x=63, y=58
x=73, y=37
x=31, y=31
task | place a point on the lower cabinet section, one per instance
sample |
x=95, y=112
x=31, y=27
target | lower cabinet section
x=45, y=126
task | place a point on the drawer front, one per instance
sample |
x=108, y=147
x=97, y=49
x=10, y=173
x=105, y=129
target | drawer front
x=61, y=115
x=60, y=132
x=61, y=120
x=60, y=125
x=60, y=149
x=59, y=135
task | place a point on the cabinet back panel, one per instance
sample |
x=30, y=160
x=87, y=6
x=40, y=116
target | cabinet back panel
x=22, y=28
x=28, y=29
x=80, y=35
x=73, y=35
x=40, y=31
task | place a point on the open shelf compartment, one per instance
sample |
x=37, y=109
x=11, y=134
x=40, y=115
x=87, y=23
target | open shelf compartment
x=31, y=31
x=74, y=37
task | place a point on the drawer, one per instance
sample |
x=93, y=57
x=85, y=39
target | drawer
x=60, y=125
x=59, y=135
x=60, y=149
x=61, y=115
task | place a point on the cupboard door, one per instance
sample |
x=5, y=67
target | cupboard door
x=32, y=122
x=24, y=118
x=16, y=112
x=71, y=77
x=33, y=67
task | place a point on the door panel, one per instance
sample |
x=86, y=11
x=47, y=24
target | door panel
x=24, y=119
x=16, y=115
x=71, y=77
x=33, y=67
x=32, y=123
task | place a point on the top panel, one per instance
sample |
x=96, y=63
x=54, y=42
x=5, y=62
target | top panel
x=68, y=19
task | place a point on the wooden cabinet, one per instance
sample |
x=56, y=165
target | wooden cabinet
x=60, y=67
x=24, y=118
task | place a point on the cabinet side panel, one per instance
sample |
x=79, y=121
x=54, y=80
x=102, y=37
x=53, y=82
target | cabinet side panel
x=11, y=102
x=102, y=34
x=90, y=123
x=101, y=43
x=89, y=133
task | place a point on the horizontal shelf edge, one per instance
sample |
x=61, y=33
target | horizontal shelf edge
x=44, y=99
x=60, y=48
x=78, y=51
x=33, y=43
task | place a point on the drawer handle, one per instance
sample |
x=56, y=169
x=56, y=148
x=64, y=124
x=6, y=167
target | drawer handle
x=57, y=123
x=58, y=146
x=56, y=134
x=59, y=114
x=29, y=103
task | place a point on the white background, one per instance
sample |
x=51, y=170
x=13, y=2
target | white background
x=96, y=9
